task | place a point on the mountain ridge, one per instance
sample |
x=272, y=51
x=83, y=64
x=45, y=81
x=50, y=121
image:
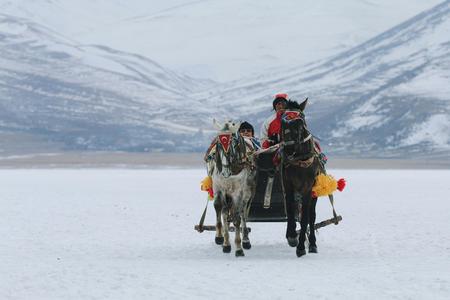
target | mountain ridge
x=383, y=98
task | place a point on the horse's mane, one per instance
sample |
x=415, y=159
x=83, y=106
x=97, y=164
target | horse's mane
x=291, y=104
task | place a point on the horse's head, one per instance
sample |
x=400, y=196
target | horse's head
x=296, y=138
x=227, y=126
x=230, y=149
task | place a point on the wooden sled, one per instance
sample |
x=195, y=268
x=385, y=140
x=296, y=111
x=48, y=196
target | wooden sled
x=268, y=204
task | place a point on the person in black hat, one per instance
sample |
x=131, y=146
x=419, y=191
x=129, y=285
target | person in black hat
x=246, y=129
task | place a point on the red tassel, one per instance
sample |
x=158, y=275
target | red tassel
x=341, y=184
x=211, y=193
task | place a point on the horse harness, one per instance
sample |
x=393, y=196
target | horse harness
x=295, y=159
x=300, y=161
x=228, y=142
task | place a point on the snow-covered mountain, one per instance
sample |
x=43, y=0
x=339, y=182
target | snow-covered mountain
x=90, y=97
x=387, y=96
x=223, y=40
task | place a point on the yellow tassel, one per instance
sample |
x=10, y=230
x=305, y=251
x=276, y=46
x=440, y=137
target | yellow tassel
x=206, y=183
x=325, y=185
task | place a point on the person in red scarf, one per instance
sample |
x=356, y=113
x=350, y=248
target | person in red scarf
x=270, y=131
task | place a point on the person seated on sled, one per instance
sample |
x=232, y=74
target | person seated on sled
x=270, y=131
x=247, y=131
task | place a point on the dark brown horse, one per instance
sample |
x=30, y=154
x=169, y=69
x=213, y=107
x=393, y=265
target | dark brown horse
x=299, y=168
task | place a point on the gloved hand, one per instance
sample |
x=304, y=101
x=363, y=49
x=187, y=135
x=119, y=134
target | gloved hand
x=274, y=139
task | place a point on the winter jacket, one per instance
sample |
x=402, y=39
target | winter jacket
x=270, y=131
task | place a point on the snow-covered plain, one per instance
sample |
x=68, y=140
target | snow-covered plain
x=128, y=234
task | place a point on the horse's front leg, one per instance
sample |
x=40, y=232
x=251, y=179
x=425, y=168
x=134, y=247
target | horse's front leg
x=245, y=239
x=237, y=234
x=226, y=247
x=304, y=221
x=218, y=207
x=244, y=214
x=312, y=221
x=291, y=212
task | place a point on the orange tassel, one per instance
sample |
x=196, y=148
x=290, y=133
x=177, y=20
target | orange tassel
x=206, y=185
x=326, y=185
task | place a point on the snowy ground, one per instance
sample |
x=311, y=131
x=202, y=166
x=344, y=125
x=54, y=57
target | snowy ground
x=128, y=234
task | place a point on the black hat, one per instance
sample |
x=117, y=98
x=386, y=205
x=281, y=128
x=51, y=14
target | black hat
x=247, y=125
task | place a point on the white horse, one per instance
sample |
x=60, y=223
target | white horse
x=233, y=173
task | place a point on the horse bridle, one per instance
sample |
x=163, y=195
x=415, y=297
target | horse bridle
x=237, y=147
x=302, y=137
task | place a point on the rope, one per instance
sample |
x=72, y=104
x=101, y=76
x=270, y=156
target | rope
x=270, y=149
x=334, y=211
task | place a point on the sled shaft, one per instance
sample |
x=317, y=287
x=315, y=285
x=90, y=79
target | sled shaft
x=334, y=221
x=213, y=228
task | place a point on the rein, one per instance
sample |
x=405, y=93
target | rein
x=301, y=163
x=301, y=142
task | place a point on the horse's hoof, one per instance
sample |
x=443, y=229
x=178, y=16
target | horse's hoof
x=226, y=249
x=292, y=241
x=300, y=252
x=246, y=245
x=219, y=240
x=240, y=252
x=312, y=249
